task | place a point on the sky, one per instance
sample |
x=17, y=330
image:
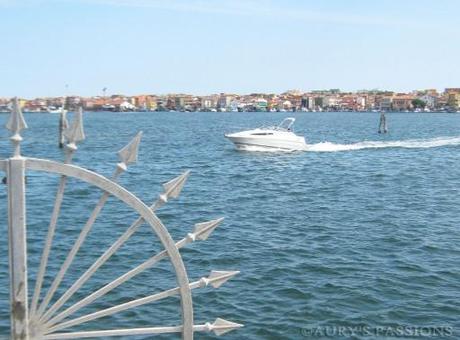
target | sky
x=79, y=47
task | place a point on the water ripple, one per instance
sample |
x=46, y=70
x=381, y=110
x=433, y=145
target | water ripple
x=365, y=236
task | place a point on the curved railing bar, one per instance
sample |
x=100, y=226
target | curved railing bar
x=173, y=191
x=135, y=203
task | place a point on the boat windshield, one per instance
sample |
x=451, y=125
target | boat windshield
x=286, y=124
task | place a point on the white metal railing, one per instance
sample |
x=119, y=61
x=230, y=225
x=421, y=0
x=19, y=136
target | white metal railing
x=43, y=319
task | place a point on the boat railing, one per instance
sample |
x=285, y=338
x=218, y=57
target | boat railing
x=286, y=124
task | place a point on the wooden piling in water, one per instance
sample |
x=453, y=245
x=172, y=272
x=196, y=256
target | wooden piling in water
x=383, y=128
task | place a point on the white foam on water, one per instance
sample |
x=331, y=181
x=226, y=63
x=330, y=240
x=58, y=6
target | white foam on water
x=410, y=144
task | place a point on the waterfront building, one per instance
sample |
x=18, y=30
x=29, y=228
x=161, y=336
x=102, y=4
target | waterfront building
x=170, y=103
x=224, y=101
x=349, y=102
x=144, y=102
x=385, y=103
x=127, y=106
x=361, y=103
x=453, y=100
x=296, y=102
x=208, y=103
x=273, y=103
x=369, y=101
x=261, y=104
x=453, y=97
x=441, y=101
x=402, y=102
x=304, y=103
x=179, y=103
x=94, y=103
x=161, y=103
x=234, y=105
x=430, y=92
x=291, y=100
x=152, y=105
x=318, y=102
x=430, y=100
x=283, y=104
x=182, y=102
x=452, y=90
x=331, y=101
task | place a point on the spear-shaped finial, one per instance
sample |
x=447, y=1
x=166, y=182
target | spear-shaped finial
x=15, y=124
x=201, y=231
x=129, y=153
x=221, y=326
x=204, y=229
x=172, y=189
x=75, y=133
x=217, y=278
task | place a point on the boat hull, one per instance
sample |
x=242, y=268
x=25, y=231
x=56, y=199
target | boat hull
x=266, y=144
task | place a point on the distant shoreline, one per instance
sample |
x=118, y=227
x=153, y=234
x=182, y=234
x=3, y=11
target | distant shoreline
x=248, y=112
x=332, y=100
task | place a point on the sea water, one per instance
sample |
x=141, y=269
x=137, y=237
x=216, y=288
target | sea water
x=360, y=230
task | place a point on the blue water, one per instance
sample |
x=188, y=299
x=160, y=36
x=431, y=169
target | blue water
x=362, y=229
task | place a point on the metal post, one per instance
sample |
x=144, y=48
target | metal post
x=17, y=249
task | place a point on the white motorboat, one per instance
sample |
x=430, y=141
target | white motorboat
x=53, y=109
x=274, y=138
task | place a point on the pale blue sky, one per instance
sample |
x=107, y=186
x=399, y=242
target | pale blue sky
x=241, y=46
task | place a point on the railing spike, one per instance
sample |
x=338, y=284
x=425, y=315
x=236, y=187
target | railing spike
x=75, y=132
x=172, y=189
x=129, y=153
x=221, y=326
x=217, y=278
x=16, y=124
x=204, y=229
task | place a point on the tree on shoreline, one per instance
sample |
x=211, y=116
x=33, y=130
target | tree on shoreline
x=418, y=103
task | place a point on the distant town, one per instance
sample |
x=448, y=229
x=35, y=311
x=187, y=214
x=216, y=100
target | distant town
x=428, y=100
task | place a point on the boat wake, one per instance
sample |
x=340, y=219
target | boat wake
x=409, y=144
